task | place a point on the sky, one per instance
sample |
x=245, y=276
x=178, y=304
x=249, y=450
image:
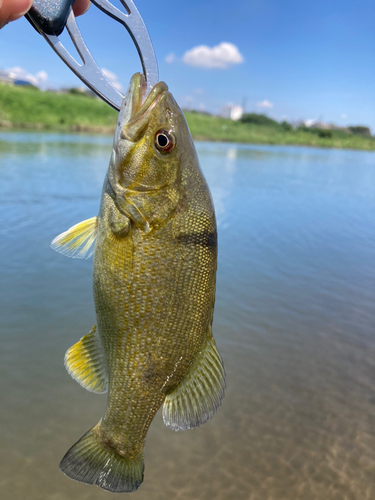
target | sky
x=289, y=59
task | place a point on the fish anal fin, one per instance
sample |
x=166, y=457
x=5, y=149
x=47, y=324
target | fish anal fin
x=77, y=240
x=84, y=361
x=199, y=394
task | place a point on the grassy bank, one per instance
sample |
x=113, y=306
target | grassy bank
x=27, y=107
x=24, y=107
x=220, y=129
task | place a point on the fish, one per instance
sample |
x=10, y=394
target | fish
x=154, y=244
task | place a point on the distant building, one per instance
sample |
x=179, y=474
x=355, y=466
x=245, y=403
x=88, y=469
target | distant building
x=236, y=113
x=316, y=124
x=322, y=125
x=309, y=123
x=232, y=111
x=319, y=124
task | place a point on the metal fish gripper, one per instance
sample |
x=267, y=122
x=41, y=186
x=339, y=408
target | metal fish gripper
x=50, y=17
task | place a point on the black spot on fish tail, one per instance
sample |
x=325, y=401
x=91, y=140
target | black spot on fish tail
x=206, y=239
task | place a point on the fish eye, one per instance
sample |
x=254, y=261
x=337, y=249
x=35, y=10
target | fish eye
x=164, y=141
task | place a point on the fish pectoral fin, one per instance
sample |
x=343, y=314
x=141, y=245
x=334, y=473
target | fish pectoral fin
x=77, y=241
x=199, y=394
x=84, y=361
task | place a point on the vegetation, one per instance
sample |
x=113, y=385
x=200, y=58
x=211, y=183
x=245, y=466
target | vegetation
x=258, y=119
x=360, y=130
x=26, y=107
x=205, y=127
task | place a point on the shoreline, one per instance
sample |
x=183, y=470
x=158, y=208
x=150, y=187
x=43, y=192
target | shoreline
x=31, y=109
x=109, y=131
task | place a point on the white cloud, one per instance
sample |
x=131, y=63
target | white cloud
x=18, y=73
x=265, y=104
x=113, y=78
x=170, y=58
x=343, y=116
x=222, y=56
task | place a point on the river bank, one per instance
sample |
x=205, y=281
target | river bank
x=29, y=108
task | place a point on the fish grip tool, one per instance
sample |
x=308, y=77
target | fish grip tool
x=50, y=17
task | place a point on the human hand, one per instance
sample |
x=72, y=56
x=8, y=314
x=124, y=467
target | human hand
x=10, y=10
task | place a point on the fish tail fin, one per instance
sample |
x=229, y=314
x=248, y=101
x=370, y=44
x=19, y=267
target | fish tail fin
x=91, y=461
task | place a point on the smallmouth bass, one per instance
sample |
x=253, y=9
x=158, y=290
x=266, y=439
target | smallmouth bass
x=154, y=271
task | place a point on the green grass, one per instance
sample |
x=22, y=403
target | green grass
x=25, y=107
x=206, y=127
x=31, y=108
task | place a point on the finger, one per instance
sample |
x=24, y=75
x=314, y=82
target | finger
x=10, y=10
x=80, y=7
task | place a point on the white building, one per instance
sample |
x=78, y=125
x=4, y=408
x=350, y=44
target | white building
x=232, y=111
x=236, y=113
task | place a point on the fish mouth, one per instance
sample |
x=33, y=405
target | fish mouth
x=139, y=112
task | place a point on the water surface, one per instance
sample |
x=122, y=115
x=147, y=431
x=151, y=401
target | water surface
x=294, y=322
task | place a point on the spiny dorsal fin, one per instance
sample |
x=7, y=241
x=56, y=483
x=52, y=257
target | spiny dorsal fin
x=199, y=394
x=85, y=363
x=77, y=241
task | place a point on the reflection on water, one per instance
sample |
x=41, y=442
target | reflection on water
x=294, y=322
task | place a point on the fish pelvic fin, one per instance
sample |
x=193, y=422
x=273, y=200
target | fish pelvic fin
x=84, y=361
x=92, y=461
x=77, y=241
x=198, y=396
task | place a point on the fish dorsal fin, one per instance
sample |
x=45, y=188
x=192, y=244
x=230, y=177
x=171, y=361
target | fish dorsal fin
x=85, y=363
x=77, y=241
x=199, y=394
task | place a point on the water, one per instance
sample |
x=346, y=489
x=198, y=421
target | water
x=294, y=322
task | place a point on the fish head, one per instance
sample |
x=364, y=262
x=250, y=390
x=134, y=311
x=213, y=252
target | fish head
x=151, y=142
x=151, y=138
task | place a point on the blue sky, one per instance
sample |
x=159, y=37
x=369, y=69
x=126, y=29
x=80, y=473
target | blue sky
x=295, y=60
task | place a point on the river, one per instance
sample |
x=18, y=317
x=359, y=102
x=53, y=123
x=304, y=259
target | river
x=294, y=322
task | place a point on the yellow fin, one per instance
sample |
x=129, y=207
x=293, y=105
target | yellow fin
x=85, y=363
x=199, y=394
x=77, y=241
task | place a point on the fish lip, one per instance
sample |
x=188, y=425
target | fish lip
x=141, y=111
